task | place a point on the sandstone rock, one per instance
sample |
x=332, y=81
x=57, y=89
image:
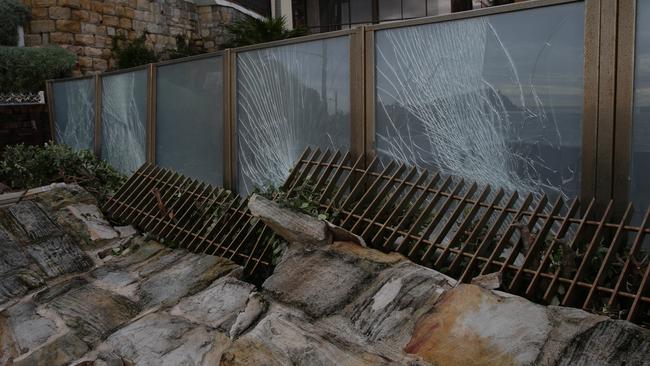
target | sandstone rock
x=490, y=281
x=35, y=223
x=42, y=26
x=159, y=339
x=185, y=277
x=126, y=231
x=92, y=313
x=59, y=255
x=255, y=307
x=218, y=305
x=284, y=337
x=318, y=282
x=73, y=26
x=96, y=225
x=26, y=327
x=610, y=342
x=473, y=326
x=292, y=226
x=388, y=308
x=60, y=351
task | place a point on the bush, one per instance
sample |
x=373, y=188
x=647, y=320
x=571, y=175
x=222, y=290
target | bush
x=184, y=48
x=247, y=31
x=26, y=69
x=133, y=54
x=26, y=167
x=12, y=14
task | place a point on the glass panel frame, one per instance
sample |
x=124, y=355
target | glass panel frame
x=63, y=132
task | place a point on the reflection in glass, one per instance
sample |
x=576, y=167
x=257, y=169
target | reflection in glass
x=496, y=99
x=640, y=166
x=74, y=113
x=189, y=119
x=288, y=98
x=124, y=120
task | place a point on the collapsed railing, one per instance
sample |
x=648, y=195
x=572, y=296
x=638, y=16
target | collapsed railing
x=547, y=252
x=193, y=215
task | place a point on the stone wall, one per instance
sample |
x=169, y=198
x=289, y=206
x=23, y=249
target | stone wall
x=89, y=28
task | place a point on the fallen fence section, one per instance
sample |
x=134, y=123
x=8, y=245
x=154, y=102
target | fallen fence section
x=542, y=248
x=186, y=213
x=545, y=249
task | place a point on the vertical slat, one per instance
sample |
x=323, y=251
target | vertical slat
x=436, y=218
x=424, y=193
x=590, y=101
x=50, y=109
x=643, y=287
x=369, y=93
x=369, y=192
x=537, y=243
x=463, y=226
x=611, y=251
x=476, y=230
x=451, y=220
x=152, y=100
x=541, y=204
x=636, y=246
x=587, y=256
x=514, y=196
x=357, y=92
x=226, y=102
x=398, y=208
x=550, y=290
x=566, y=223
x=498, y=249
x=624, y=102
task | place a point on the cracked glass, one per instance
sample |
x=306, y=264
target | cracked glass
x=74, y=113
x=290, y=97
x=496, y=99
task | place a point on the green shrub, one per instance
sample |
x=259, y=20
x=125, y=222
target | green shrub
x=26, y=69
x=247, y=31
x=133, y=54
x=184, y=48
x=12, y=14
x=25, y=167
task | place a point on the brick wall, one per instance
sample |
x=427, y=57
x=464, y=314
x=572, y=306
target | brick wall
x=88, y=28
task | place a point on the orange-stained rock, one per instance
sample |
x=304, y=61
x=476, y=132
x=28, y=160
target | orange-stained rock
x=473, y=326
x=346, y=247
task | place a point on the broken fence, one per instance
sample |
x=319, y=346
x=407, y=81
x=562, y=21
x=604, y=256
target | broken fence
x=549, y=251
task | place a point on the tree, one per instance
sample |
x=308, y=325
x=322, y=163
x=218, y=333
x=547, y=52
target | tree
x=247, y=31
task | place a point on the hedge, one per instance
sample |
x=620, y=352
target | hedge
x=26, y=69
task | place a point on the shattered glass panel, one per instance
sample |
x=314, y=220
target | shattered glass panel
x=640, y=164
x=495, y=99
x=74, y=113
x=124, y=120
x=288, y=98
x=189, y=119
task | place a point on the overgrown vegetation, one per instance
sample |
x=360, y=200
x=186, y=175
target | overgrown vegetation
x=25, y=167
x=25, y=69
x=13, y=13
x=132, y=54
x=184, y=48
x=247, y=31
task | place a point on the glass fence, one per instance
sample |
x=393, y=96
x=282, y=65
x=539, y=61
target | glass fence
x=74, y=113
x=640, y=158
x=290, y=97
x=124, y=120
x=189, y=118
x=496, y=99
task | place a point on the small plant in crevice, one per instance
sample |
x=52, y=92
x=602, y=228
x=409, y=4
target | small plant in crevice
x=303, y=198
x=134, y=53
x=184, y=48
